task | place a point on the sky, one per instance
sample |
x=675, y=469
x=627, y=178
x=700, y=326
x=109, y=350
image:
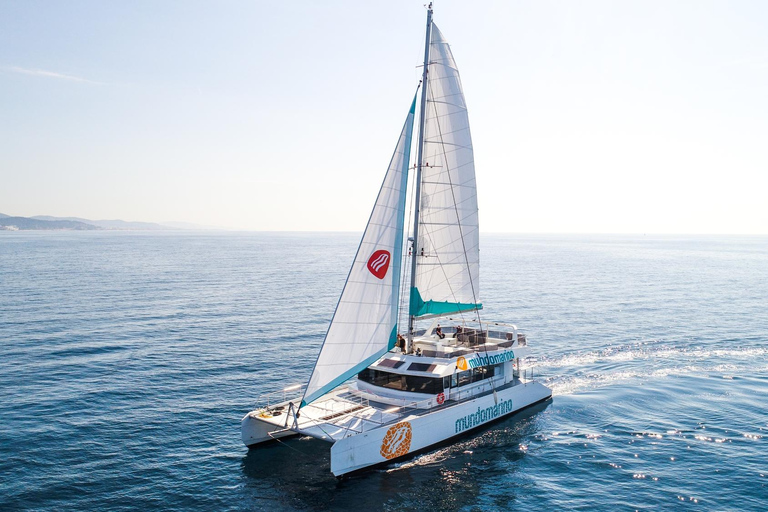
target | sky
x=587, y=117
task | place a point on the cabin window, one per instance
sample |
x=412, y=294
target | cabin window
x=410, y=383
x=475, y=375
x=484, y=372
x=465, y=378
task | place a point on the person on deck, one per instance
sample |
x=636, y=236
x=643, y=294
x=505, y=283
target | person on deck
x=439, y=332
x=400, y=343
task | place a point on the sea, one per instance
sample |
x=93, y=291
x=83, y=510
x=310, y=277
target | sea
x=128, y=359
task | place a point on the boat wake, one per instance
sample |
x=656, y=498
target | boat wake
x=581, y=371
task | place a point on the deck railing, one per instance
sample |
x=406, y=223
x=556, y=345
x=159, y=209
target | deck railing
x=350, y=406
x=267, y=400
x=419, y=406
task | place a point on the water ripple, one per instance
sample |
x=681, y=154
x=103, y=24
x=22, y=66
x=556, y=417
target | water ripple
x=128, y=360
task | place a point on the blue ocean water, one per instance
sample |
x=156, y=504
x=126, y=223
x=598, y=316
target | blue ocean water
x=128, y=359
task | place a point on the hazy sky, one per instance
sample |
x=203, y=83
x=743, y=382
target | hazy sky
x=589, y=116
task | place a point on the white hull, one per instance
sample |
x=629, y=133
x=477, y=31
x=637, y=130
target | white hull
x=255, y=431
x=412, y=434
x=360, y=444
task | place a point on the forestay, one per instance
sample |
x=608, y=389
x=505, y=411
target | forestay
x=448, y=257
x=364, y=325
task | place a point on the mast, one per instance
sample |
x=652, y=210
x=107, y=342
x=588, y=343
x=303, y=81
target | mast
x=422, y=119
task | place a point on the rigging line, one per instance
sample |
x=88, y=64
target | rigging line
x=352, y=267
x=289, y=446
x=440, y=63
x=318, y=424
x=403, y=292
x=447, y=279
x=458, y=216
x=458, y=221
x=461, y=235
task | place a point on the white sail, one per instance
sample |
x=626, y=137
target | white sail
x=448, y=255
x=364, y=325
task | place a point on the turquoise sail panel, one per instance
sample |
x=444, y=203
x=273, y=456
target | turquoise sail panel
x=419, y=307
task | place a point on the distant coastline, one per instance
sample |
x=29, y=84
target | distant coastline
x=47, y=222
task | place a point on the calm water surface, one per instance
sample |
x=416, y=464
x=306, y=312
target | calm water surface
x=128, y=359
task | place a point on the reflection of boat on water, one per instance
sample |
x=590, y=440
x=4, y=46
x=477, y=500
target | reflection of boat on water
x=451, y=371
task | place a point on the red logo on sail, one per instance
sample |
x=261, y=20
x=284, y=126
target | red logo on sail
x=378, y=263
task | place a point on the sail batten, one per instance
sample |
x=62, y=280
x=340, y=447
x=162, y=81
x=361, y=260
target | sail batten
x=364, y=325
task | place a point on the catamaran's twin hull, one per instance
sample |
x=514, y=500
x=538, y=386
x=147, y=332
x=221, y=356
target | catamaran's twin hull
x=256, y=430
x=409, y=434
x=370, y=426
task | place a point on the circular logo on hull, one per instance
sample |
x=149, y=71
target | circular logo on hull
x=397, y=440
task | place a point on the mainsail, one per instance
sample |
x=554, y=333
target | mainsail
x=364, y=325
x=447, y=252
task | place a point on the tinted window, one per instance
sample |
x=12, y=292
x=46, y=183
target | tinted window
x=391, y=363
x=410, y=383
x=474, y=375
x=464, y=378
x=421, y=367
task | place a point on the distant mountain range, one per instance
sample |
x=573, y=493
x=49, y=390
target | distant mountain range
x=9, y=222
x=105, y=224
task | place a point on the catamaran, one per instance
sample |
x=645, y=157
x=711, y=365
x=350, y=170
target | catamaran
x=379, y=392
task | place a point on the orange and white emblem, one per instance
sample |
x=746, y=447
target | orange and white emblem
x=397, y=440
x=461, y=364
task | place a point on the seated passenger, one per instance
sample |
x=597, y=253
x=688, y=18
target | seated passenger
x=439, y=332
